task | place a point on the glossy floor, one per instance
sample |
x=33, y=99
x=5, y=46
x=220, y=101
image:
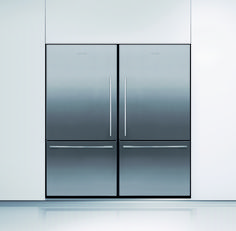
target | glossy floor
x=132, y=215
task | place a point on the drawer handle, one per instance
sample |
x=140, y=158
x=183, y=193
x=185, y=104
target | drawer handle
x=172, y=146
x=80, y=147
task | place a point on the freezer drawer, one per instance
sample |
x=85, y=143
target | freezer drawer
x=81, y=92
x=155, y=92
x=155, y=168
x=81, y=168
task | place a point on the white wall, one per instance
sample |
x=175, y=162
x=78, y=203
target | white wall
x=213, y=100
x=22, y=80
x=118, y=21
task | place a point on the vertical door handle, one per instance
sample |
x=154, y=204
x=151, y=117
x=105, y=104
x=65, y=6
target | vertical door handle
x=125, y=106
x=110, y=107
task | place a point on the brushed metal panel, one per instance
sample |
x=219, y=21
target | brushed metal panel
x=155, y=171
x=81, y=92
x=155, y=92
x=81, y=171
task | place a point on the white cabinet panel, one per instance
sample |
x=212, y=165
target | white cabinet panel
x=213, y=100
x=113, y=21
x=22, y=148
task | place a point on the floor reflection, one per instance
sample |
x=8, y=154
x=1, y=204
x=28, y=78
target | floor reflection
x=109, y=215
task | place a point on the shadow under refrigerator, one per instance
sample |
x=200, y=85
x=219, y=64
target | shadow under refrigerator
x=117, y=120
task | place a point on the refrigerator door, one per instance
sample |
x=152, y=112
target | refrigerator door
x=155, y=168
x=154, y=92
x=81, y=92
x=81, y=168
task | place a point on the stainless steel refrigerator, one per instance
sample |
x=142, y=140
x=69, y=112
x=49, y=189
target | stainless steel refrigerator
x=118, y=120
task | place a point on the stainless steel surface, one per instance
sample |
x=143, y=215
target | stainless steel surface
x=173, y=146
x=53, y=146
x=110, y=106
x=154, y=105
x=82, y=171
x=81, y=92
x=154, y=172
x=154, y=92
